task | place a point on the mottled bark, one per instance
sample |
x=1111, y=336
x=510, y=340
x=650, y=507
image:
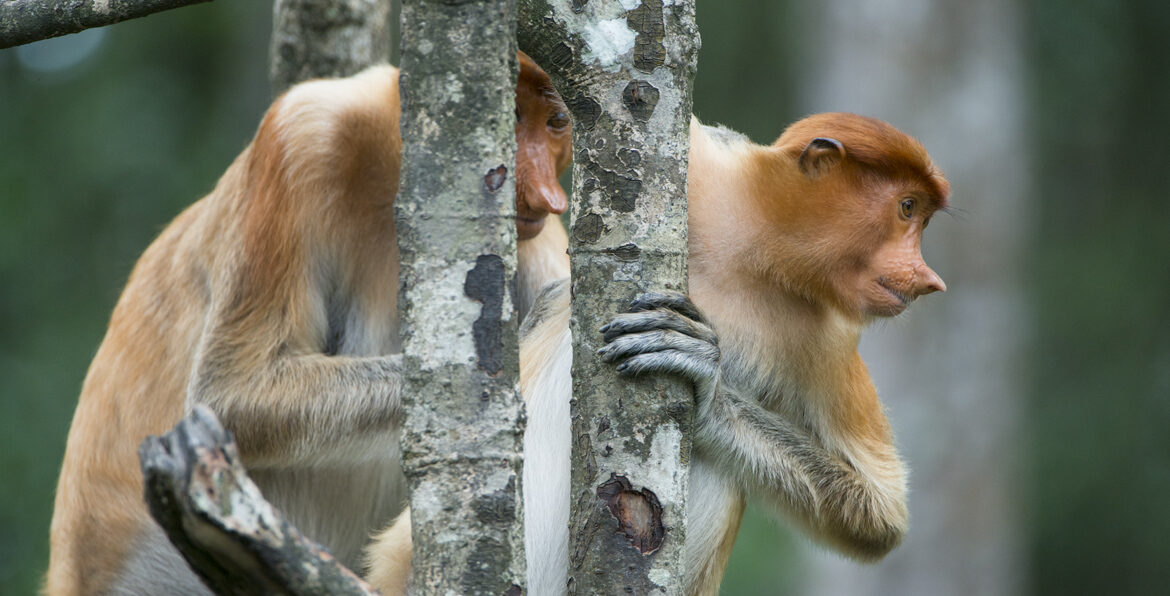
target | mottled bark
x=26, y=21
x=326, y=38
x=462, y=438
x=950, y=371
x=625, y=69
x=198, y=492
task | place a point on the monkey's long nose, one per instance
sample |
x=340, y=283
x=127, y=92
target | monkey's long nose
x=551, y=196
x=929, y=282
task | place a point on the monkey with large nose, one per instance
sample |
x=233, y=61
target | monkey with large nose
x=274, y=301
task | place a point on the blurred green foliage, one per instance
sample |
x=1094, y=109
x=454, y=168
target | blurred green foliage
x=96, y=157
x=1100, y=285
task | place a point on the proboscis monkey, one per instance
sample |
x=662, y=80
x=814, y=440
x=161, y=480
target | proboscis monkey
x=794, y=248
x=273, y=300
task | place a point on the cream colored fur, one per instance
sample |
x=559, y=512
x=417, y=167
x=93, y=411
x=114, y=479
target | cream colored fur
x=792, y=419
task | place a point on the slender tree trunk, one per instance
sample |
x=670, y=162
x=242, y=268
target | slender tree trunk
x=949, y=372
x=625, y=70
x=326, y=38
x=463, y=433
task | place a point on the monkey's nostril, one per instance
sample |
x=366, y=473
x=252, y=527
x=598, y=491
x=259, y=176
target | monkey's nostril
x=933, y=283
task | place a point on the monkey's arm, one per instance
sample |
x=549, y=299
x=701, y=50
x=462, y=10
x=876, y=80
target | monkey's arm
x=296, y=364
x=857, y=509
x=847, y=505
x=303, y=409
x=301, y=271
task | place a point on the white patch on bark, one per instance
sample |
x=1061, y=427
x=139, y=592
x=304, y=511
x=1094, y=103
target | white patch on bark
x=660, y=576
x=607, y=41
x=448, y=309
x=628, y=272
x=454, y=90
x=425, y=503
x=664, y=447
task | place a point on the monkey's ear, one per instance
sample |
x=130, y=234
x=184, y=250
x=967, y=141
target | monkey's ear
x=820, y=155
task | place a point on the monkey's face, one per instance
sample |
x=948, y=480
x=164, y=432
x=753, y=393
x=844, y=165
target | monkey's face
x=864, y=194
x=543, y=149
x=895, y=272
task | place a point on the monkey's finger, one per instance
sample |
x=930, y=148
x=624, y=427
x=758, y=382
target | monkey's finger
x=675, y=301
x=657, y=341
x=656, y=319
x=673, y=362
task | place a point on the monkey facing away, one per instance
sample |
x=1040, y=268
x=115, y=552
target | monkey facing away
x=273, y=300
x=794, y=248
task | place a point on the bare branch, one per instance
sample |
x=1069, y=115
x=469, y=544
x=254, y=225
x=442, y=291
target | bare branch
x=213, y=513
x=26, y=21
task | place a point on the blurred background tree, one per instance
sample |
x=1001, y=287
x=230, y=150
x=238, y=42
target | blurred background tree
x=952, y=73
x=1031, y=400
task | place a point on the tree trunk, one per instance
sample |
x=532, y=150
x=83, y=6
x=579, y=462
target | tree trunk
x=26, y=21
x=326, y=38
x=949, y=372
x=625, y=70
x=463, y=431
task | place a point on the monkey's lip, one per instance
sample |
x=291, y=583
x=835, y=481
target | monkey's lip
x=528, y=227
x=903, y=300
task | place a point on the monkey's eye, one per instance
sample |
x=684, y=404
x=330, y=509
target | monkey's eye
x=558, y=120
x=908, y=208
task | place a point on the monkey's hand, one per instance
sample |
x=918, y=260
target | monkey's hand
x=665, y=334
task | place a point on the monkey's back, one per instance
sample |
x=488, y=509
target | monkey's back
x=102, y=536
x=136, y=386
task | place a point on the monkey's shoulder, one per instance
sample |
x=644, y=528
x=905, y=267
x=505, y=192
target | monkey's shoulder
x=725, y=136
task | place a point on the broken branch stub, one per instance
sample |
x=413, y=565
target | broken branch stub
x=215, y=516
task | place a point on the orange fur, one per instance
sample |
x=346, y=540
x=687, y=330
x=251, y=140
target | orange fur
x=784, y=261
x=789, y=279
x=274, y=300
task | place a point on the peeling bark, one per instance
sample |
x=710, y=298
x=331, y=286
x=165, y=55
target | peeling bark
x=26, y=21
x=214, y=514
x=326, y=38
x=638, y=513
x=463, y=433
x=625, y=69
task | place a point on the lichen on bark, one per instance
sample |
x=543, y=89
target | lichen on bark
x=463, y=429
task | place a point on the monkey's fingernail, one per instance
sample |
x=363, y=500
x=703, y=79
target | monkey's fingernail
x=604, y=328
